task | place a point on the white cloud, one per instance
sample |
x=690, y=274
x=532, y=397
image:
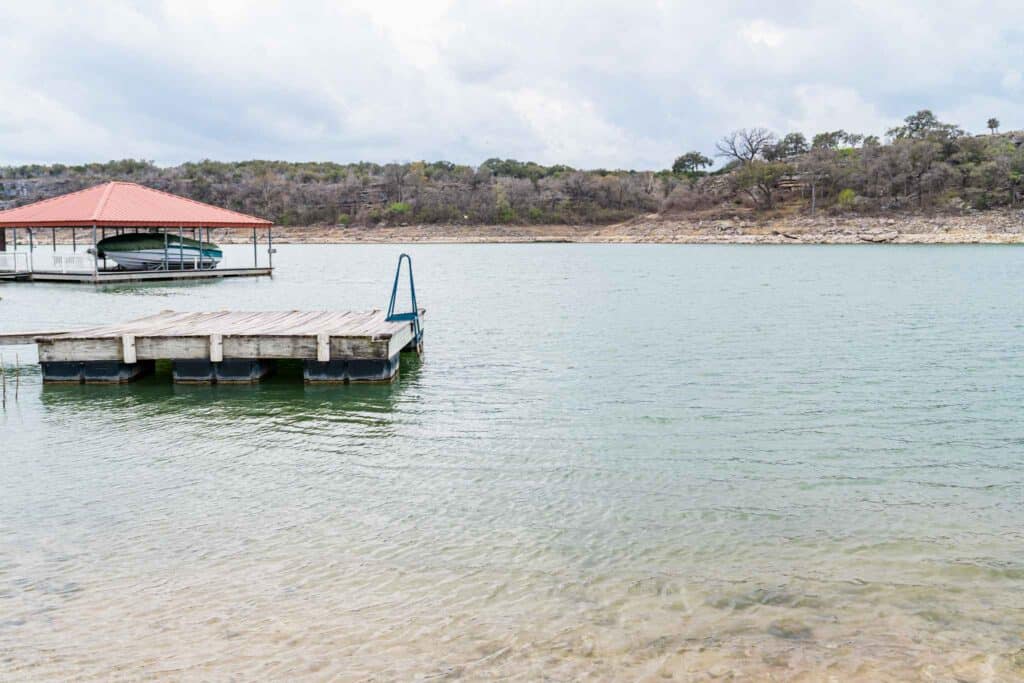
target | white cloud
x=588, y=83
x=824, y=107
x=47, y=123
x=761, y=32
x=572, y=128
x=418, y=29
x=1013, y=81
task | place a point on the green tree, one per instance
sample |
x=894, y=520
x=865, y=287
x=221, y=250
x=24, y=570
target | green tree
x=758, y=180
x=993, y=125
x=792, y=145
x=691, y=164
x=829, y=139
x=923, y=159
x=923, y=125
x=502, y=207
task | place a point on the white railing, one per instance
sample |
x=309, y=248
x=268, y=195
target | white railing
x=15, y=262
x=74, y=263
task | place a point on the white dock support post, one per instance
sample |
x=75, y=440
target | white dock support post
x=216, y=348
x=128, y=349
x=270, y=247
x=323, y=347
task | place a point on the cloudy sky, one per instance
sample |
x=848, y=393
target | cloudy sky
x=627, y=84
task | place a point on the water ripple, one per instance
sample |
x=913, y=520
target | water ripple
x=612, y=463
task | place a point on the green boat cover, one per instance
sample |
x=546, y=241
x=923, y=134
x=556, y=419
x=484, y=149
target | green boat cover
x=152, y=240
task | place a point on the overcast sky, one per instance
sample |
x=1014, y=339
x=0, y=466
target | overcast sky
x=627, y=84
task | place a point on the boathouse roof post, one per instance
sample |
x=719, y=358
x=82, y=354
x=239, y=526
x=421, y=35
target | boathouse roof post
x=95, y=256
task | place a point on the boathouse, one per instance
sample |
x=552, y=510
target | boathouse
x=116, y=208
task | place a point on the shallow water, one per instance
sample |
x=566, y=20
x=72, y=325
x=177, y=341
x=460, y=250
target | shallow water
x=613, y=462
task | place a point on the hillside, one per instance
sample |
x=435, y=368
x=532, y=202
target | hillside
x=922, y=168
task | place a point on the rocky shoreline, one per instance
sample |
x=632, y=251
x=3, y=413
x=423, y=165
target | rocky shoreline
x=983, y=227
x=989, y=227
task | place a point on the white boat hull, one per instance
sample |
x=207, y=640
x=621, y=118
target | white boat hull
x=175, y=258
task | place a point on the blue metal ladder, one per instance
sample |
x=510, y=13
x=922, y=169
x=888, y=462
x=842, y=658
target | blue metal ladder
x=414, y=314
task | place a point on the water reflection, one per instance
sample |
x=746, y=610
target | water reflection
x=282, y=394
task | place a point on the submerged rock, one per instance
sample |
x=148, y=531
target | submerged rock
x=790, y=629
x=776, y=597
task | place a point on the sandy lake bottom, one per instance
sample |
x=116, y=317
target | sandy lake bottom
x=613, y=462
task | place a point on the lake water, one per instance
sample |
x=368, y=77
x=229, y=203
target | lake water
x=612, y=462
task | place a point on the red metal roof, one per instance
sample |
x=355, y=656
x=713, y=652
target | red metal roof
x=124, y=205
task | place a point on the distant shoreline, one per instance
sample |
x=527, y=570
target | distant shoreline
x=1005, y=226
x=989, y=227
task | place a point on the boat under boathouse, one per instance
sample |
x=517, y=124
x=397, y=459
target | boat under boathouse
x=171, y=236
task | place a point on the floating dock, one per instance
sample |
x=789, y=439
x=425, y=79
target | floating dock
x=105, y=276
x=14, y=277
x=232, y=346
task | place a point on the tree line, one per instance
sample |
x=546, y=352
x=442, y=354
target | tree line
x=923, y=164
x=309, y=193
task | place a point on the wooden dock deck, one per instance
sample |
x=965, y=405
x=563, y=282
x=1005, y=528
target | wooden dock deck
x=231, y=346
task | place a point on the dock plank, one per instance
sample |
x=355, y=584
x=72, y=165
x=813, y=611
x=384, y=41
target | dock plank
x=243, y=334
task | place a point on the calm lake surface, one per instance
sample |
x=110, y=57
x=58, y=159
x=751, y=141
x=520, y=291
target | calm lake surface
x=612, y=462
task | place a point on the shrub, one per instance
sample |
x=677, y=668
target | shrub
x=846, y=199
x=685, y=198
x=503, y=209
x=435, y=213
x=344, y=219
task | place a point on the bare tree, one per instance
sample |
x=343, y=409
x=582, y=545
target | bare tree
x=920, y=156
x=394, y=176
x=746, y=144
x=269, y=186
x=520, y=192
x=579, y=187
x=817, y=165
